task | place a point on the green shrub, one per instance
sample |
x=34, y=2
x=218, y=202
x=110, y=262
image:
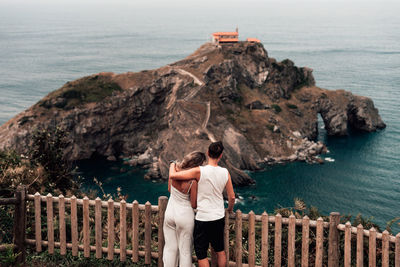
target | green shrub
x=8, y=257
x=291, y=106
x=85, y=90
x=276, y=107
x=270, y=127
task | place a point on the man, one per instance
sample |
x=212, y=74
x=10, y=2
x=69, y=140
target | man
x=210, y=217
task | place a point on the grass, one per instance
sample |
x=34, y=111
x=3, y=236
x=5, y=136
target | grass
x=86, y=90
x=49, y=260
x=276, y=107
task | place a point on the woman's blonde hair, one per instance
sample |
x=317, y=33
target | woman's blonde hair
x=193, y=159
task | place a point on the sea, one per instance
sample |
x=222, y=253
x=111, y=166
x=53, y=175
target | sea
x=351, y=45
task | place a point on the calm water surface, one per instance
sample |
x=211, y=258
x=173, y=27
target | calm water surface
x=350, y=46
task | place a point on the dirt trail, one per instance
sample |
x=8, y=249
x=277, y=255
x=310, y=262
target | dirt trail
x=192, y=94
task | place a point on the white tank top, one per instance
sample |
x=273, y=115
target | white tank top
x=210, y=201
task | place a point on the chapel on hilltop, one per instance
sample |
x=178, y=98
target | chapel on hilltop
x=230, y=37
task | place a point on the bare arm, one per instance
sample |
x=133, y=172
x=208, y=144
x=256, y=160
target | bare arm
x=169, y=184
x=189, y=174
x=193, y=194
x=230, y=193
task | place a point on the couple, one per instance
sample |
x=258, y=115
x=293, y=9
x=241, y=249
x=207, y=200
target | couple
x=195, y=186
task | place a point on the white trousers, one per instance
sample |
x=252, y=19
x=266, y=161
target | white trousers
x=178, y=233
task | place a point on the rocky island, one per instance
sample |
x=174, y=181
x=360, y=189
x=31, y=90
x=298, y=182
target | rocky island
x=263, y=110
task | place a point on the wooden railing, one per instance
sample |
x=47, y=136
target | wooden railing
x=267, y=240
x=19, y=226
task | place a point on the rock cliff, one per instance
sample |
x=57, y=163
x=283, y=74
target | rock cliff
x=263, y=110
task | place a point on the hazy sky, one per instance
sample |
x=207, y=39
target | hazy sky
x=174, y=2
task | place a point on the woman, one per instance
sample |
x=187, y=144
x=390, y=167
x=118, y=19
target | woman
x=179, y=215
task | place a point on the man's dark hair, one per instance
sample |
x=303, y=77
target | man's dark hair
x=215, y=149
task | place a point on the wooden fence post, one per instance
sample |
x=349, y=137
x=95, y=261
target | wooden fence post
x=385, y=249
x=74, y=226
x=238, y=241
x=360, y=246
x=278, y=241
x=397, y=251
x=226, y=237
x=252, y=239
x=372, y=248
x=319, y=243
x=20, y=223
x=264, y=239
x=50, y=223
x=147, y=233
x=135, y=231
x=98, y=228
x=305, y=241
x=291, y=241
x=86, y=228
x=333, y=250
x=162, y=206
x=122, y=230
x=62, y=229
x=110, y=229
x=347, y=245
x=38, y=223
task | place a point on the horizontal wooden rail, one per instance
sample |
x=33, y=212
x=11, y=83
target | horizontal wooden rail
x=342, y=227
x=104, y=204
x=8, y=201
x=117, y=251
x=154, y=208
x=271, y=219
x=6, y=246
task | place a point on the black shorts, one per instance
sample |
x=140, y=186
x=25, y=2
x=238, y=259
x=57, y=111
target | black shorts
x=208, y=232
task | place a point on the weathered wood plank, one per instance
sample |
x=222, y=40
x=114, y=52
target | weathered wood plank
x=278, y=241
x=347, y=245
x=305, y=241
x=226, y=237
x=62, y=229
x=385, y=249
x=291, y=240
x=319, y=243
x=372, y=248
x=397, y=251
x=38, y=223
x=98, y=228
x=238, y=241
x=20, y=224
x=333, y=240
x=360, y=246
x=50, y=223
x=135, y=231
x=264, y=240
x=86, y=233
x=111, y=230
x=162, y=206
x=147, y=233
x=252, y=239
x=122, y=230
x=9, y=201
x=74, y=226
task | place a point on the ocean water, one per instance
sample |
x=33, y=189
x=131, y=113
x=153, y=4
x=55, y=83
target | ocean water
x=350, y=45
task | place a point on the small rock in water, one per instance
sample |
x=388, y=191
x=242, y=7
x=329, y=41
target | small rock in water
x=111, y=158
